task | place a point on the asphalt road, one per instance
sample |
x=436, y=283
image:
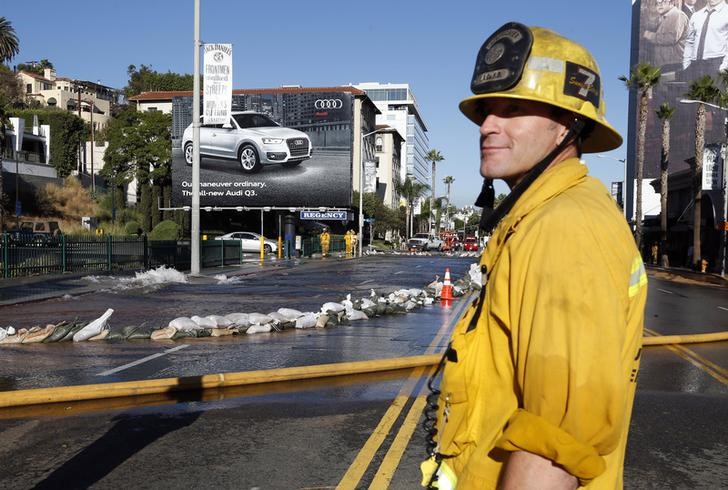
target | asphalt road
x=318, y=434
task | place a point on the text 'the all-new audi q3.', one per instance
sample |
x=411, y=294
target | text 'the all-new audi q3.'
x=252, y=139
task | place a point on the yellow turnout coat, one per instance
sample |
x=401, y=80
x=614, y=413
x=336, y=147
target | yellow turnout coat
x=548, y=362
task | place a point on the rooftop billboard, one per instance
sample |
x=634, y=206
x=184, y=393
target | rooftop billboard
x=671, y=35
x=280, y=148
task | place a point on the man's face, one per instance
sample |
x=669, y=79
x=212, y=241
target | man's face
x=515, y=136
x=713, y=3
x=663, y=6
x=690, y=3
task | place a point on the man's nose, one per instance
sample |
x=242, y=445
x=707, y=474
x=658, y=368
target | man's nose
x=490, y=124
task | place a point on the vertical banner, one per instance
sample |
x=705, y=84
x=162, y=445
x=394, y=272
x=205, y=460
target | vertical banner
x=712, y=175
x=218, y=84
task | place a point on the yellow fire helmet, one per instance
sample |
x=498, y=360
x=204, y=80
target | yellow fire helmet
x=533, y=63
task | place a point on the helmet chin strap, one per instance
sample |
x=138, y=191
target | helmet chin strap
x=490, y=217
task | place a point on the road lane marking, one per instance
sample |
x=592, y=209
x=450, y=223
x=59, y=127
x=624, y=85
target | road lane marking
x=386, y=471
x=399, y=272
x=368, y=281
x=665, y=291
x=717, y=372
x=356, y=471
x=721, y=308
x=142, y=360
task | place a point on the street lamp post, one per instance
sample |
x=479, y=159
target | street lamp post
x=361, y=185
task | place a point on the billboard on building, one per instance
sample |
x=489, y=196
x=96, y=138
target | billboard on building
x=669, y=34
x=280, y=148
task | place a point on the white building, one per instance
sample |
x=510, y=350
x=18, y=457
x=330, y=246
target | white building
x=399, y=110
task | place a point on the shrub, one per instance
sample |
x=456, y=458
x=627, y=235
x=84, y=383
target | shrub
x=70, y=201
x=166, y=230
x=132, y=228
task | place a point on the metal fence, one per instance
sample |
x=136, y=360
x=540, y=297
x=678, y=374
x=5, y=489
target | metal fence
x=37, y=255
x=32, y=255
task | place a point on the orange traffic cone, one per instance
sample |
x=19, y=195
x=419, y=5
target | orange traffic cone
x=446, y=293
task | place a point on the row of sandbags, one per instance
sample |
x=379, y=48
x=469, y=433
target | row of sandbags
x=330, y=314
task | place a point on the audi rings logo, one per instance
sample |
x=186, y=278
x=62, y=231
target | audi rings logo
x=328, y=104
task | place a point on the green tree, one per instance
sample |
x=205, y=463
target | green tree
x=139, y=148
x=448, y=182
x=67, y=131
x=384, y=217
x=642, y=79
x=145, y=79
x=35, y=67
x=410, y=190
x=9, y=45
x=435, y=157
x=702, y=90
x=664, y=113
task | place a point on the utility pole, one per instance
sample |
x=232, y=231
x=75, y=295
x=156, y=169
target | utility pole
x=195, y=221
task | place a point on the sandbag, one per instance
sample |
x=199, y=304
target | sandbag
x=259, y=319
x=331, y=306
x=181, y=334
x=307, y=320
x=238, y=319
x=163, y=333
x=93, y=328
x=72, y=331
x=357, y=315
x=290, y=313
x=100, y=336
x=37, y=334
x=183, y=323
x=142, y=332
x=220, y=321
x=257, y=328
x=16, y=338
x=204, y=322
x=322, y=320
x=221, y=332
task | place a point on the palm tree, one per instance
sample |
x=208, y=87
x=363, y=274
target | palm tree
x=702, y=90
x=664, y=113
x=433, y=156
x=9, y=45
x=448, y=182
x=643, y=77
x=410, y=190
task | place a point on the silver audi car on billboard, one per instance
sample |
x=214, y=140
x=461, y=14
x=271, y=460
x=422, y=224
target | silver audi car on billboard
x=252, y=139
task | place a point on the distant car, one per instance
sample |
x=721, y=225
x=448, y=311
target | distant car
x=250, y=242
x=251, y=138
x=424, y=242
x=470, y=244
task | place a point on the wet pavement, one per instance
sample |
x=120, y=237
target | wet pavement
x=308, y=434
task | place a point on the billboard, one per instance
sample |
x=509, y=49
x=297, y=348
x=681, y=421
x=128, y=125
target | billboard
x=281, y=147
x=675, y=36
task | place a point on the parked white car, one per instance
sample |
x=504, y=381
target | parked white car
x=250, y=242
x=252, y=139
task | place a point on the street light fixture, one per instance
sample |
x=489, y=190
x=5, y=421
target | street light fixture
x=361, y=183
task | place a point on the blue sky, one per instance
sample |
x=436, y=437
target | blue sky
x=430, y=45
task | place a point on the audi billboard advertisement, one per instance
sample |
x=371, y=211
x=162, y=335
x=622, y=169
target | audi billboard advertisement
x=280, y=148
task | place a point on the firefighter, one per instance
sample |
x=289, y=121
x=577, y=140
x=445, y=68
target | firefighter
x=538, y=380
x=325, y=239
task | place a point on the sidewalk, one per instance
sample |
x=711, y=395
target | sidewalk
x=679, y=274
